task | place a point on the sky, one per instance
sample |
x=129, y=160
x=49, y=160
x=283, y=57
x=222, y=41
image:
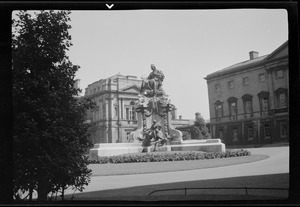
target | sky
x=186, y=45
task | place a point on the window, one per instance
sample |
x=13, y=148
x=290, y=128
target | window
x=267, y=131
x=219, y=109
x=264, y=102
x=246, y=81
x=218, y=88
x=233, y=108
x=232, y=103
x=281, y=97
x=235, y=135
x=283, y=129
x=250, y=133
x=282, y=100
x=279, y=74
x=262, y=77
x=231, y=84
x=248, y=107
x=130, y=113
x=247, y=99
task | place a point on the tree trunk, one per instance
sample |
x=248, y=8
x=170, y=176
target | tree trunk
x=30, y=194
x=63, y=193
x=43, y=188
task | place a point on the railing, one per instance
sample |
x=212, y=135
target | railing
x=219, y=188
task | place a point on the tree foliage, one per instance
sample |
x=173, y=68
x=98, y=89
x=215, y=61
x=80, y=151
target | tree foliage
x=199, y=130
x=50, y=140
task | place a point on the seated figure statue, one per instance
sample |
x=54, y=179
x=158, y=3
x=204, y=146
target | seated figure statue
x=153, y=84
x=154, y=136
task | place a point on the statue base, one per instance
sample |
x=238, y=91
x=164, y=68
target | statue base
x=111, y=149
x=165, y=148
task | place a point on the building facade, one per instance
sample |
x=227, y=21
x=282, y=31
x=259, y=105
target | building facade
x=248, y=101
x=114, y=117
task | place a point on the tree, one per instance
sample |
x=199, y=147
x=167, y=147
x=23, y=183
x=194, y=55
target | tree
x=199, y=130
x=50, y=141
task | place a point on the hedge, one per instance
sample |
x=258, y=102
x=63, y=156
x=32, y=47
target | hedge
x=163, y=157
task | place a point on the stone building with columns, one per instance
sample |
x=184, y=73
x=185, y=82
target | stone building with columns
x=114, y=117
x=248, y=101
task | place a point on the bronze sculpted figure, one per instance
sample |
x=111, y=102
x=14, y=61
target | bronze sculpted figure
x=152, y=86
x=154, y=136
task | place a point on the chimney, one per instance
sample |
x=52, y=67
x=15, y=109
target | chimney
x=174, y=113
x=180, y=117
x=253, y=54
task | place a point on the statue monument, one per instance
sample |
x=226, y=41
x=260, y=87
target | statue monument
x=154, y=114
x=155, y=131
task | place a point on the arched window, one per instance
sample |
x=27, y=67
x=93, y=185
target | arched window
x=232, y=104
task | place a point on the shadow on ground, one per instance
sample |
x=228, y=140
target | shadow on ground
x=213, y=194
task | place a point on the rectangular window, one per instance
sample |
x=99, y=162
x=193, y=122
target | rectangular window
x=219, y=110
x=262, y=77
x=127, y=114
x=250, y=133
x=235, y=135
x=283, y=129
x=217, y=88
x=279, y=74
x=130, y=113
x=231, y=84
x=246, y=81
x=248, y=107
x=267, y=131
x=282, y=100
x=265, y=104
x=233, y=110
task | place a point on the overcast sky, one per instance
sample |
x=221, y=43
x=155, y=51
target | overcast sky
x=186, y=45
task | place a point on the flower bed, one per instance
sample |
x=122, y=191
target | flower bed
x=167, y=156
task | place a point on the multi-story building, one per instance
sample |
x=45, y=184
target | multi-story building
x=114, y=117
x=248, y=101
